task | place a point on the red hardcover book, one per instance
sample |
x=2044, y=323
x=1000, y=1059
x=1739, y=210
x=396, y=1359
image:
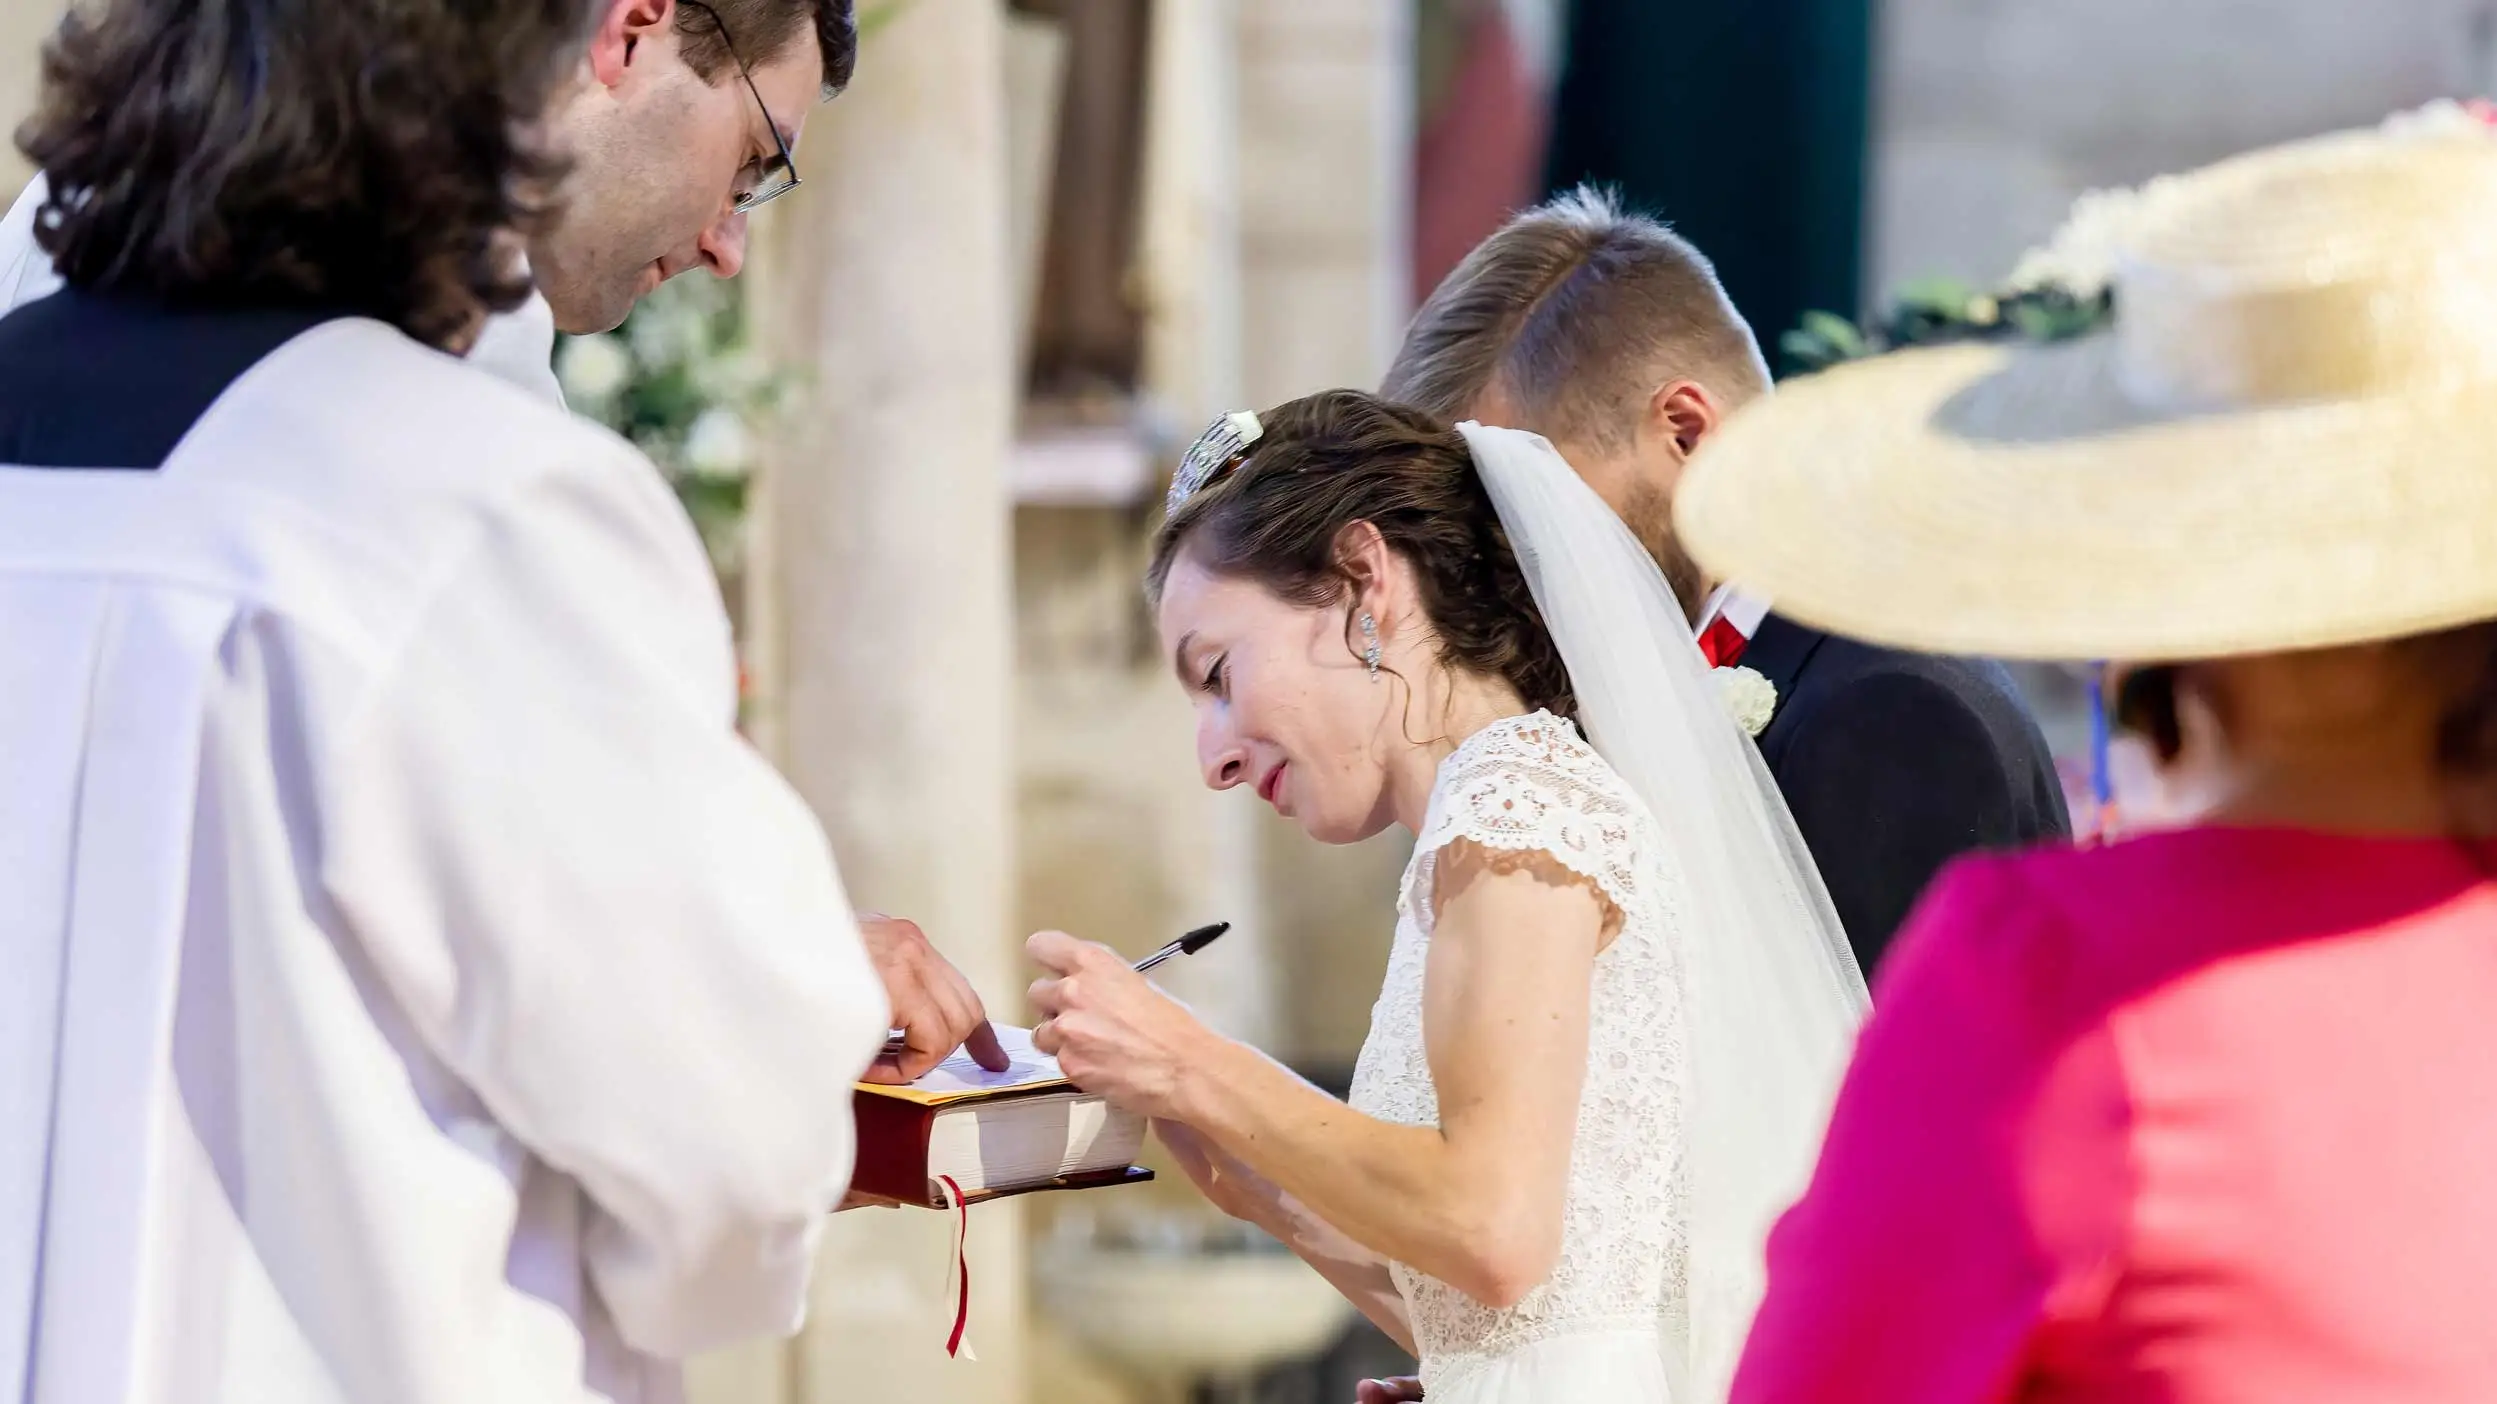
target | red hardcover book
x=994, y=1134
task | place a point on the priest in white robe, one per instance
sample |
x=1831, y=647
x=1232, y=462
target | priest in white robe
x=418, y=952
x=417, y=991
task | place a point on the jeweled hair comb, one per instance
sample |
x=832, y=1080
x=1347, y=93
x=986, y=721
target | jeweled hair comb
x=1216, y=451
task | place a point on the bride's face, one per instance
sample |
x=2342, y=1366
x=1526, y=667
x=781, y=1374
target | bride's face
x=1284, y=703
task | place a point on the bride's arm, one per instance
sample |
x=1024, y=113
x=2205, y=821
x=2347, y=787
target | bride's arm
x=1242, y=1193
x=1476, y=1201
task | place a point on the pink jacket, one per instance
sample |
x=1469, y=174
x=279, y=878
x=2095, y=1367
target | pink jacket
x=2208, y=1116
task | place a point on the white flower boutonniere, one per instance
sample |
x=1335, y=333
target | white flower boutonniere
x=1750, y=697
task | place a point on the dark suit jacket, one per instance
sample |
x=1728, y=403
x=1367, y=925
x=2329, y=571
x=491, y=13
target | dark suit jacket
x=1894, y=763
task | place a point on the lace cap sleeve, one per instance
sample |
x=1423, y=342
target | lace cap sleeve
x=1532, y=785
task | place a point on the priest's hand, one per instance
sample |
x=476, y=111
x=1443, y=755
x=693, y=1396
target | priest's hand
x=1109, y=1028
x=932, y=1003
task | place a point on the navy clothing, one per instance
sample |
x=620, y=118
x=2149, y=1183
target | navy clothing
x=89, y=381
x=1895, y=763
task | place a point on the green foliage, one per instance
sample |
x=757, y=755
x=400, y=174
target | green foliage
x=1939, y=312
x=1824, y=340
x=682, y=381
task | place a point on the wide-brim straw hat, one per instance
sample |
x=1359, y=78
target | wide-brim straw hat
x=2288, y=440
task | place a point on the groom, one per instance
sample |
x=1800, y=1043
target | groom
x=1609, y=335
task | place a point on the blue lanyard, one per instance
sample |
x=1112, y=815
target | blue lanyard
x=2102, y=771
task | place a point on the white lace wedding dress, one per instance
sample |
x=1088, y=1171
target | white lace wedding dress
x=1594, y=1331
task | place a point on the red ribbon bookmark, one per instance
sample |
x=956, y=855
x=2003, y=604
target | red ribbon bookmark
x=960, y=1274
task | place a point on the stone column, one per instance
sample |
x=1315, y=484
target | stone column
x=1325, y=169
x=889, y=684
x=1190, y=257
x=1190, y=245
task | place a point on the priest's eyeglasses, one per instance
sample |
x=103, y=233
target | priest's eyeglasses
x=759, y=182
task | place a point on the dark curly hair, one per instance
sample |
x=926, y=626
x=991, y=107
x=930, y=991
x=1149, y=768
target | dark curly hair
x=763, y=28
x=1334, y=459
x=381, y=157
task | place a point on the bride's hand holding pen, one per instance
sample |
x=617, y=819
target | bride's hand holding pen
x=1109, y=1028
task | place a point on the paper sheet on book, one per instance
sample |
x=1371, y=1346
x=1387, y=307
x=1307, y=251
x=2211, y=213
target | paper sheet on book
x=959, y=1077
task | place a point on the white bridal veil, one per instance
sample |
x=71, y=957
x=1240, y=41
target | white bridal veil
x=1773, y=993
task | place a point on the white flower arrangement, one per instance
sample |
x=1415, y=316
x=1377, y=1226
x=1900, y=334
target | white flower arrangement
x=593, y=369
x=681, y=381
x=718, y=445
x=2441, y=120
x=1751, y=697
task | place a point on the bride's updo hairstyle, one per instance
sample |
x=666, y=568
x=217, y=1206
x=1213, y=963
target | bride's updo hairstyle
x=1340, y=457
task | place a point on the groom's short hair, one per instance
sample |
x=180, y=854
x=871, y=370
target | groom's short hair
x=1575, y=311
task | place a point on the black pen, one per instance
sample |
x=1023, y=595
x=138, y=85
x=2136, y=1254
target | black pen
x=895, y=1039
x=1189, y=944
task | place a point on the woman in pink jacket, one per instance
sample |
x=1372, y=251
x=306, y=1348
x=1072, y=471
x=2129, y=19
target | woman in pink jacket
x=2210, y=1114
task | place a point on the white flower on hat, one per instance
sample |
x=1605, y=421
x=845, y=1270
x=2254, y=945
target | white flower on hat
x=2439, y=120
x=2081, y=259
x=718, y=445
x=1751, y=697
x=593, y=368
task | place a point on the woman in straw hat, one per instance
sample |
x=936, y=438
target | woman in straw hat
x=2205, y=1115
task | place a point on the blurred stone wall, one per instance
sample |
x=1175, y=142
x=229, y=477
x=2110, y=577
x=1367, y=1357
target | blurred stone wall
x=1991, y=115
x=24, y=24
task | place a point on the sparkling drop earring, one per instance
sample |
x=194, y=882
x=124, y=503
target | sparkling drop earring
x=1370, y=648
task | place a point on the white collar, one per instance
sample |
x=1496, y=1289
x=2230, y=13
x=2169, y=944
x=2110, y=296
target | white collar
x=1736, y=607
x=519, y=346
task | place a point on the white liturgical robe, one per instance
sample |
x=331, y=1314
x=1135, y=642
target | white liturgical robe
x=416, y=993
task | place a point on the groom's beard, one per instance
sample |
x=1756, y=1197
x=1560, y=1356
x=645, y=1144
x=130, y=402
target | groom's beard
x=1648, y=512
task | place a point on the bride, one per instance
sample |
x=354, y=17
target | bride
x=1617, y=1003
